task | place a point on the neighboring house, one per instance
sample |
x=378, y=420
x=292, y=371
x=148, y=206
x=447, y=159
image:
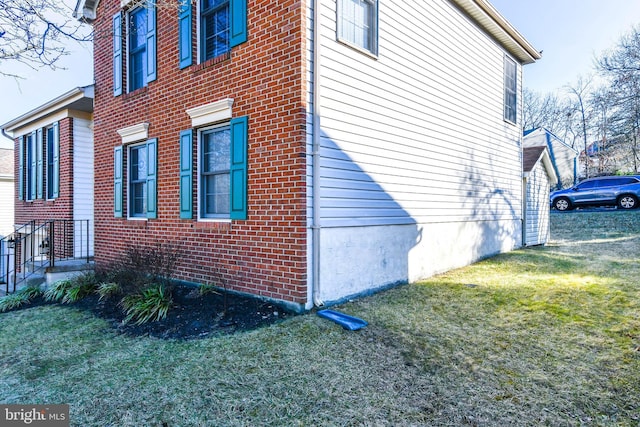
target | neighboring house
x=6, y=210
x=6, y=191
x=307, y=152
x=538, y=173
x=53, y=160
x=613, y=156
x=564, y=158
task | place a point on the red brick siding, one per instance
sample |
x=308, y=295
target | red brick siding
x=61, y=207
x=265, y=254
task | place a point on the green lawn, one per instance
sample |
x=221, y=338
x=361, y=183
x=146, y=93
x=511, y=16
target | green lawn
x=541, y=336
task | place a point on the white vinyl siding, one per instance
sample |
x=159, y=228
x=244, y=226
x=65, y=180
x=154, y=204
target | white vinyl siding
x=83, y=182
x=6, y=207
x=416, y=135
x=418, y=170
x=537, y=207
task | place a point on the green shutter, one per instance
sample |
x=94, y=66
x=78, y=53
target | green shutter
x=117, y=182
x=117, y=54
x=239, y=168
x=238, y=11
x=21, y=168
x=185, y=43
x=56, y=160
x=186, y=174
x=151, y=42
x=152, y=178
x=33, y=164
x=39, y=164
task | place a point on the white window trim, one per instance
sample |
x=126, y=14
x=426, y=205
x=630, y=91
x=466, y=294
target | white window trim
x=347, y=43
x=127, y=165
x=518, y=94
x=199, y=176
x=135, y=133
x=209, y=114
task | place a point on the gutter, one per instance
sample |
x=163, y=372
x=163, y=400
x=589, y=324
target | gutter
x=315, y=155
x=6, y=135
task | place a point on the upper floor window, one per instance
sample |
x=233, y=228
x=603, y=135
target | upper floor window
x=222, y=24
x=138, y=38
x=358, y=24
x=214, y=28
x=510, y=90
x=137, y=48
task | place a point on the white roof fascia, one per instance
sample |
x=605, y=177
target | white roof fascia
x=497, y=26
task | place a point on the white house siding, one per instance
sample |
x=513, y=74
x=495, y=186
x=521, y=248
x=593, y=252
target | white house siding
x=6, y=191
x=83, y=184
x=6, y=207
x=537, y=198
x=419, y=173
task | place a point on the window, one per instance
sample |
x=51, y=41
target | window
x=138, y=181
x=34, y=165
x=215, y=164
x=510, y=90
x=137, y=48
x=222, y=24
x=31, y=162
x=140, y=37
x=358, y=24
x=221, y=171
x=141, y=188
x=53, y=163
x=214, y=28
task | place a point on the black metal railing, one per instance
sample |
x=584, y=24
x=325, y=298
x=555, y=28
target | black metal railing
x=34, y=246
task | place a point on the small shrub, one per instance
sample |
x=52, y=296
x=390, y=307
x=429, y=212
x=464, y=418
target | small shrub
x=152, y=303
x=107, y=290
x=81, y=286
x=71, y=290
x=208, y=288
x=58, y=290
x=31, y=292
x=156, y=262
x=19, y=298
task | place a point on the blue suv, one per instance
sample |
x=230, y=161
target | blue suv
x=620, y=191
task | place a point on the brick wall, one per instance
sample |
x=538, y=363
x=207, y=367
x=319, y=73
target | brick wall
x=265, y=254
x=61, y=207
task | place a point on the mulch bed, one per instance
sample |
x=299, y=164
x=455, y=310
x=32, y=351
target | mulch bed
x=192, y=316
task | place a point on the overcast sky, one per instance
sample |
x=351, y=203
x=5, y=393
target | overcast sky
x=571, y=33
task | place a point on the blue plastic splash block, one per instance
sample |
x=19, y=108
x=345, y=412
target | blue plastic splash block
x=350, y=323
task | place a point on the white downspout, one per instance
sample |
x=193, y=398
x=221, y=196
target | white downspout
x=315, y=177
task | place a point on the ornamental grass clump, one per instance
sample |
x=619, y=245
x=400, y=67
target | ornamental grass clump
x=152, y=304
x=19, y=298
x=73, y=289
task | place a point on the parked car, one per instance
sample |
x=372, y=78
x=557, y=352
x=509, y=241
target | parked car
x=620, y=191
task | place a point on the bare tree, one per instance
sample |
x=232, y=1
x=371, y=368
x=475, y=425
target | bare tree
x=35, y=33
x=580, y=92
x=621, y=66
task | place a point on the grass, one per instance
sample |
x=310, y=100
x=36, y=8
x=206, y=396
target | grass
x=539, y=336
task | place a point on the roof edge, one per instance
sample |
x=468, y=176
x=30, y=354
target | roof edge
x=50, y=107
x=485, y=14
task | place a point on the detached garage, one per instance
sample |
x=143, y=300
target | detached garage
x=538, y=174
